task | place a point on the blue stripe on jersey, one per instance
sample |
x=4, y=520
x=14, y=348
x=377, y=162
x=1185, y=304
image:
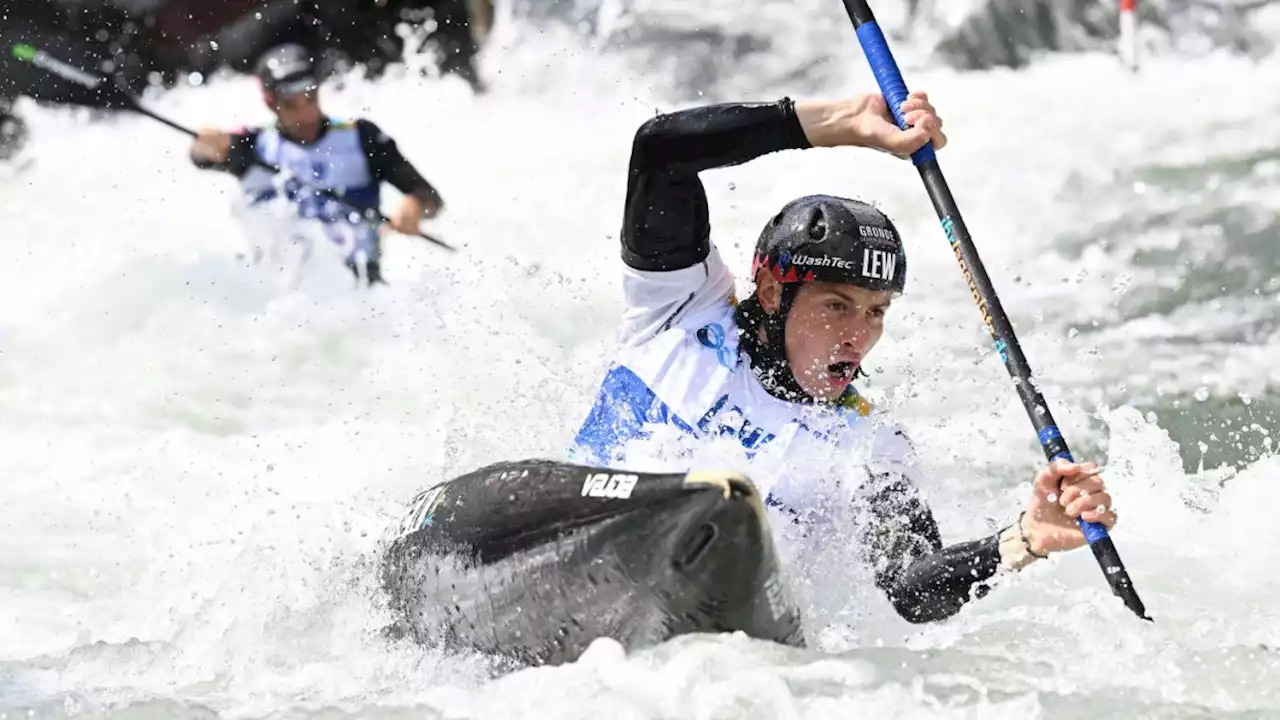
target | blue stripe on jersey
x=622, y=409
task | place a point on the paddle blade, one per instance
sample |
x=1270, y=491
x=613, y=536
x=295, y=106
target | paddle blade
x=29, y=70
x=24, y=52
x=1117, y=576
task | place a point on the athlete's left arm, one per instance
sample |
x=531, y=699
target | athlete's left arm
x=924, y=580
x=387, y=164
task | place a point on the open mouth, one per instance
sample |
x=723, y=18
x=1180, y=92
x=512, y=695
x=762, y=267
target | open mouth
x=842, y=371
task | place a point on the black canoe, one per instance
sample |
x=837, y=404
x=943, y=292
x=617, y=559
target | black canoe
x=533, y=560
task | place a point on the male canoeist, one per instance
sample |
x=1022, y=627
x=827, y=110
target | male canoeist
x=349, y=158
x=776, y=371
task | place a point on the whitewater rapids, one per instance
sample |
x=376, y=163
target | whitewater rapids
x=199, y=457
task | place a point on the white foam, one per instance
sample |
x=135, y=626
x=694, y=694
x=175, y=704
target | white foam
x=198, y=460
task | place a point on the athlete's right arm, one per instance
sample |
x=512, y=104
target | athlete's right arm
x=666, y=226
x=672, y=269
x=215, y=149
x=666, y=241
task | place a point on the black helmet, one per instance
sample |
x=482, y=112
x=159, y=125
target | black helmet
x=822, y=238
x=286, y=70
x=832, y=239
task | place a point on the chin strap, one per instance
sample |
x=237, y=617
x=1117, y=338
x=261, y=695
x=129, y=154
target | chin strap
x=768, y=359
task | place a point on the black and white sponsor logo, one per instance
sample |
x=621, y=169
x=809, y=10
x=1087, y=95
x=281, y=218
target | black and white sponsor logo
x=776, y=594
x=824, y=261
x=876, y=264
x=420, y=510
x=609, y=485
x=878, y=233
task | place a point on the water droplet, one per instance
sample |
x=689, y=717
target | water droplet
x=1151, y=417
x=1072, y=332
x=1202, y=393
x=733, y=186
x=1246, y=399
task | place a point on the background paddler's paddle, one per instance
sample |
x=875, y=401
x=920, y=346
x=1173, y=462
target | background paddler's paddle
x=115, y=96
x=894, y=89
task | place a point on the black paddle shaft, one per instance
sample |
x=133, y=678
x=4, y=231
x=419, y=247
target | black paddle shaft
x=894, y=89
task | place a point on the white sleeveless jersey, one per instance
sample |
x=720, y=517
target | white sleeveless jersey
x=336, y=162
x=680, y=372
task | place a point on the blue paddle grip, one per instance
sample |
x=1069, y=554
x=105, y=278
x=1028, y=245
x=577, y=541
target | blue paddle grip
x=892, y=86
x=1093, y=532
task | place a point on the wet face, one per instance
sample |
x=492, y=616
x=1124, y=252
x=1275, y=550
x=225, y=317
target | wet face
x=831, y=329
x=298, y=114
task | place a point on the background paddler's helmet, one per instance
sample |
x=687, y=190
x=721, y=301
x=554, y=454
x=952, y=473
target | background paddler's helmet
x=286, y=70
